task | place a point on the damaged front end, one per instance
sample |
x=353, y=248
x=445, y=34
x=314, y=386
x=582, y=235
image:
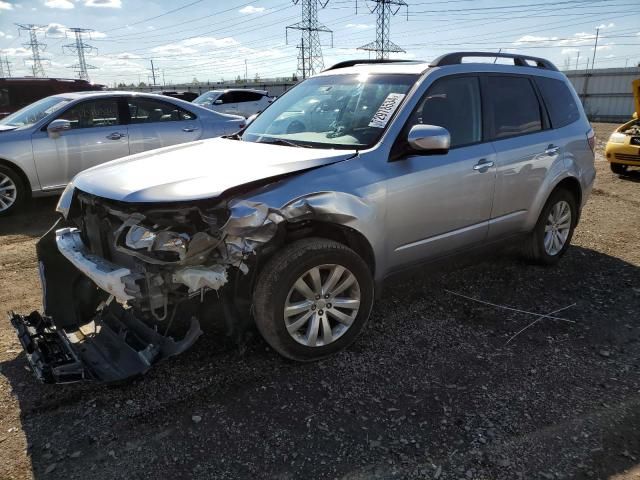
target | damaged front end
x=124, y=285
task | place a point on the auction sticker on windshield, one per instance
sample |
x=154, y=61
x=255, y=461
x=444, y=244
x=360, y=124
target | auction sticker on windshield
x=386, y=110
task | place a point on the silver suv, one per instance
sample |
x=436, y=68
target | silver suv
x=296, y=222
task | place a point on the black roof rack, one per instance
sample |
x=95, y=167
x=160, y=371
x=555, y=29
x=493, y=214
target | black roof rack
x=519, y=60
x=351, y=63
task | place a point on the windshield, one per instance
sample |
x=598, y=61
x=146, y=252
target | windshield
x=36, y=111
x=206, y=98
x=337, y=111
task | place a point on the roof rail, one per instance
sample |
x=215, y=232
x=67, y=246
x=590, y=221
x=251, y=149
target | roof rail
x=351, y=63
x=519, y=60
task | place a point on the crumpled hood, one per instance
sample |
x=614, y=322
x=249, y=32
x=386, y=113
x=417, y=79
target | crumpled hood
x=198, y=170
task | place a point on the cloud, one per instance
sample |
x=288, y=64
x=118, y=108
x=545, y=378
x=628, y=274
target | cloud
x=56, y=30
x=61, y=4
x=603, y=47
x=359, y=26
x=16, y=52
x=569, y=51
x=210, y=42
x=103, y=3
x=249, y=9
x=5, y=5
x=606, y=25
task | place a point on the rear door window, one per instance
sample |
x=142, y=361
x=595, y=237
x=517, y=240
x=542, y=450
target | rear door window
x=512, y=106
x=145, y=110
x=247, y=96
x=559, y=101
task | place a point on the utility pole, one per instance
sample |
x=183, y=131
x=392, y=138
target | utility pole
x=36, y=47
x=164, y=83
x=577, y=59
x=153, y=73
x=8, y=65
x=79, y=48
x=595, y=48
x=310, y=59
x=245, y=70
x=383, y=46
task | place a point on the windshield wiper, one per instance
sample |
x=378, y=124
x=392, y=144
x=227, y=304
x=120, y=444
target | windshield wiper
x=282, y=141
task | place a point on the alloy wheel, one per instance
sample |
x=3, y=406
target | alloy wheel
x=322, y=305
x=8, y=192
x=557, y=228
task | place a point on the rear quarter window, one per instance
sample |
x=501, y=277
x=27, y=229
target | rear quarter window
x=559, y=101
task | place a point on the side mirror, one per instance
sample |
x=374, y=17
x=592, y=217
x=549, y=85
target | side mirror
x=57, y=126
x=217, y=102
x=429, y=138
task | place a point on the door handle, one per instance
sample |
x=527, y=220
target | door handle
x=189, y=129
x=483, y=165
x=552, y=150
x=116, y=136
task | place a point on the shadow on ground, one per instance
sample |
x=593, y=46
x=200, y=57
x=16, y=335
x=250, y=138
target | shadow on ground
x=34, y=220
x=431, y=390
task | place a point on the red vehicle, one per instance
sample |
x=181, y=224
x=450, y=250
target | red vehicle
x=18, y=92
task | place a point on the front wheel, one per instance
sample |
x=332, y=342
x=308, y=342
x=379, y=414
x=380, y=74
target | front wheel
x=12, y=191
x=312, y=299
x=618, y=168
x=553, y=232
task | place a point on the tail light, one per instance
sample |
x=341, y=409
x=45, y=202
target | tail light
x=591, y=138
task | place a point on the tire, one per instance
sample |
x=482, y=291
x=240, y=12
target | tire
x=12, y=191
x=536, y=249
x=618, y=168
x=275, y=289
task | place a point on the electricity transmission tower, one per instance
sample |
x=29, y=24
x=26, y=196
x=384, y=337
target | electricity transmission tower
x=385, y=9
x=310, y=56
x=7, y=64
x=79, y=48
x=36, y=47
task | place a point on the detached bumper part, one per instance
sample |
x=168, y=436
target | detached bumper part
x=82, y=335
x=112, y=347
x=48, y=351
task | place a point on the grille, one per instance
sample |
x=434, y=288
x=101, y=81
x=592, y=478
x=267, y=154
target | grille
x=628, y=158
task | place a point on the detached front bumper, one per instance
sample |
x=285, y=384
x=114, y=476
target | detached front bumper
x=85, y=334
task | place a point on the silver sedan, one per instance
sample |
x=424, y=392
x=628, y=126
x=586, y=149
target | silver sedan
x=44, y=145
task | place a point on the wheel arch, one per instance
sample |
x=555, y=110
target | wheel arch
x=347, y=236
x=20, y=173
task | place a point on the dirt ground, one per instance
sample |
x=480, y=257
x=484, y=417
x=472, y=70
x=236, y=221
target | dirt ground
x=431, y=390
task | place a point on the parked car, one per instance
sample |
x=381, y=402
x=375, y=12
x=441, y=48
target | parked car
x=239, y=101
x=184, y=95
x=623, y=148
x=45, y=144
x=18, y=92
x=298, y=231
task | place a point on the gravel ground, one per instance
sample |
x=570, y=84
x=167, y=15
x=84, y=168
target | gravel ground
x=431, y=390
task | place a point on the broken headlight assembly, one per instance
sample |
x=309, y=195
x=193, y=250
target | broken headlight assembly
x=163, y=245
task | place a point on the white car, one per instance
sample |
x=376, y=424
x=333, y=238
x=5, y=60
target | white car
x=45, y=144
x=240, y=101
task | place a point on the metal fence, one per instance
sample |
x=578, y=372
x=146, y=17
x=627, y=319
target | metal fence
x=275, y=89
x=606, y=93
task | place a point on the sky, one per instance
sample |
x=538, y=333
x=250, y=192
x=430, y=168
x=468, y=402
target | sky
x=211, y=40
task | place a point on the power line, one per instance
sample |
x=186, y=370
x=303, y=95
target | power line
x=36, y=47
x=79, y=48
x=385, y=9
x=310, y=59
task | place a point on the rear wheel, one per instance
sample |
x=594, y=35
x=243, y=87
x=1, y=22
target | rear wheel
x=618, y=168
x=312, y=299
x=12, y=191
x=553, y=232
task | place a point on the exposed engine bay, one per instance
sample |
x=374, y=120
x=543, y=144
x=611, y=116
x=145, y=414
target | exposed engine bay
x=633, y=129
